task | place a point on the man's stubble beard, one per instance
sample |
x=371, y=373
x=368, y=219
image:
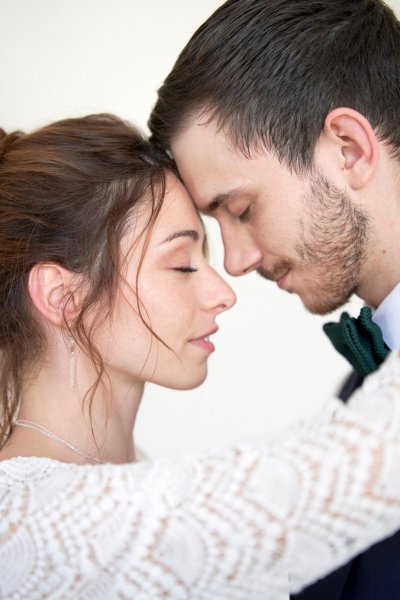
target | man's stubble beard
x=332, y=248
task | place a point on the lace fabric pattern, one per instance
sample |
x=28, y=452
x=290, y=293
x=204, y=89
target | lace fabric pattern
x=251, y=522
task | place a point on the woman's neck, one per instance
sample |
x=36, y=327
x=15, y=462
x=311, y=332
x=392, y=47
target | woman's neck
x=101, y=427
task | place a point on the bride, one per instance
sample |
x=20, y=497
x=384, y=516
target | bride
x=104, y=286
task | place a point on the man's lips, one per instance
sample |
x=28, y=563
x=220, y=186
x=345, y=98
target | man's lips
x=282, y=280
x=278, y=274
x=203, y=342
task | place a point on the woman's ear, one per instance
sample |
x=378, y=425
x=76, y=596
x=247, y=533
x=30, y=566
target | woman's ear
x=54, y=292
x=350, y=134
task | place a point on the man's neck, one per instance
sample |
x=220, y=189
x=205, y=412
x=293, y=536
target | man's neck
x=382, y=269
x=381, y=201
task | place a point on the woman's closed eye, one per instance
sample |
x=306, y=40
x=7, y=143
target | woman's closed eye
x=185, y=269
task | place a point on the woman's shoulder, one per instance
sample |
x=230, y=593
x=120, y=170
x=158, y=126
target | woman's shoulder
x=45, y=482
x=34, y=470
x=29, y=471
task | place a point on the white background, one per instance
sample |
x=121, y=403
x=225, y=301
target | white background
x=273, y=364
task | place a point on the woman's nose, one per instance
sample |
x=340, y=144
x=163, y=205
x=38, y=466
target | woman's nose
x=222, y=297
x=228, y=297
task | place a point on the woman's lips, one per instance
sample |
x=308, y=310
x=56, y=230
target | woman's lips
x=203, y=341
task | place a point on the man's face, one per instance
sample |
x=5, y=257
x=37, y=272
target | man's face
x=301, y=232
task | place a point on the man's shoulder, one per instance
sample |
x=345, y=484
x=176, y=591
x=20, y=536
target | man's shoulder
x=328, y=588
x=372, y=575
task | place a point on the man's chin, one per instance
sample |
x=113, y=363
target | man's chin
x=322, y=304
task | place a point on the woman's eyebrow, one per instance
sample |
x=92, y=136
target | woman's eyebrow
x=191, y=233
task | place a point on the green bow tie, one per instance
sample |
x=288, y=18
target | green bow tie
x=360, y=341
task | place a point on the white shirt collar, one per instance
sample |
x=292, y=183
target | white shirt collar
x=387, y=316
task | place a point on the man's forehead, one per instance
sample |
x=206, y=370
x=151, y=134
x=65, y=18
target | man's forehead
x=201, y=135
x=214, y=172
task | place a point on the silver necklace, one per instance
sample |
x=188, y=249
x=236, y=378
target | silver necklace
x=56, y=438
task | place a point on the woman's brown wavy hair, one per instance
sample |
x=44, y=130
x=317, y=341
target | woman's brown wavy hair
x=66, y=191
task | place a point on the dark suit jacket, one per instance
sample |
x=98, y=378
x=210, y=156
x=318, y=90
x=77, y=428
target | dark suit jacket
x=372, y=575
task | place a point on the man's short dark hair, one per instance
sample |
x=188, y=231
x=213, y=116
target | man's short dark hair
x=269, y=72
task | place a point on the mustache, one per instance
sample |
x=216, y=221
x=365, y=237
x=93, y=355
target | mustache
x=274, y=274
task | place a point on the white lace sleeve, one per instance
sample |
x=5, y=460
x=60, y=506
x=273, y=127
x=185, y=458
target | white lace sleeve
x=238, y=524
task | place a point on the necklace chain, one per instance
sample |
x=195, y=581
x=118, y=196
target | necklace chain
x=31, y=425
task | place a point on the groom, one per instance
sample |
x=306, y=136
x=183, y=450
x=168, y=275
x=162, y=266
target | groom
x=284, y=119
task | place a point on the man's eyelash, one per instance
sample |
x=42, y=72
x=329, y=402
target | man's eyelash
x=185, y=269
x=245, y=215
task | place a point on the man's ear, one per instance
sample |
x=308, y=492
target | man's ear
x=54, y=292
x=350, y=134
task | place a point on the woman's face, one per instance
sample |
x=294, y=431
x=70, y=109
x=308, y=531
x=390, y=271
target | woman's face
x=179, y=296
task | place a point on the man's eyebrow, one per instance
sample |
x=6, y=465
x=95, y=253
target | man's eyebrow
x=219, y=199
x=191, y=233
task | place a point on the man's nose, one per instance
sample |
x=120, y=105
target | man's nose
x=241, y=256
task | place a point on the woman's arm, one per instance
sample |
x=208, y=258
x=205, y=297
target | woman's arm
x=240, y=523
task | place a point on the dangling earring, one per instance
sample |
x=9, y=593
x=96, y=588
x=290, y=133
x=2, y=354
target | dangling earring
x=71, y=343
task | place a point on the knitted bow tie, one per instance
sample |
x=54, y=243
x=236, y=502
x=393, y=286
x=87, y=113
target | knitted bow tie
x=360, y=341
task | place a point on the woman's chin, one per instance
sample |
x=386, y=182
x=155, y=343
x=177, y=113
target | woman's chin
x=187, y=381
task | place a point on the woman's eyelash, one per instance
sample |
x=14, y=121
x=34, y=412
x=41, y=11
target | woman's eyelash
x=244, y=216
x=185, y=269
